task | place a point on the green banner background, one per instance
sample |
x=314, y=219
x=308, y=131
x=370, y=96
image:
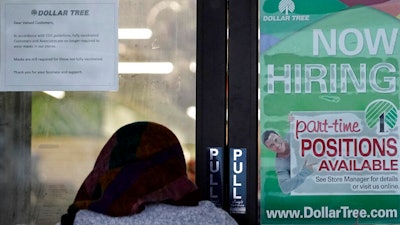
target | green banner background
x=286, y=38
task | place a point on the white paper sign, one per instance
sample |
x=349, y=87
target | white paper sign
x=59, y=45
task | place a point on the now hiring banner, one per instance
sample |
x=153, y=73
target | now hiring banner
x=329, y=126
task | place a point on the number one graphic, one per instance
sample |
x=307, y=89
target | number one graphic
x=382, y=114
x=382, y=123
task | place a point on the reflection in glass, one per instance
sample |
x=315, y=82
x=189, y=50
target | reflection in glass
x=69, y=131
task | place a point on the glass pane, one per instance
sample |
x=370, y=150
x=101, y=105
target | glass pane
x=69, y=131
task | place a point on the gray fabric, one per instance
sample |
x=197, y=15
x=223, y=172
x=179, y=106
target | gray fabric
x=287, y=183
x=162, y=214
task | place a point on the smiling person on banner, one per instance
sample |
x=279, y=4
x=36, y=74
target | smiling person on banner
x=274, y=142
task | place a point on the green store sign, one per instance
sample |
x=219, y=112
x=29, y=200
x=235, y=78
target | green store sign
x=329, y=126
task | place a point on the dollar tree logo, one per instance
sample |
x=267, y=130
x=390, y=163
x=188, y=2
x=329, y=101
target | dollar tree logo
x=286, y=6
x=381, y=113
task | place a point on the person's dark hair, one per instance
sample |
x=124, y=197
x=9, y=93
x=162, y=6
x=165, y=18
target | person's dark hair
x=142, y=163
x=266, y=134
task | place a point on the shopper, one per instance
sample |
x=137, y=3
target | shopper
x=140, y=178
